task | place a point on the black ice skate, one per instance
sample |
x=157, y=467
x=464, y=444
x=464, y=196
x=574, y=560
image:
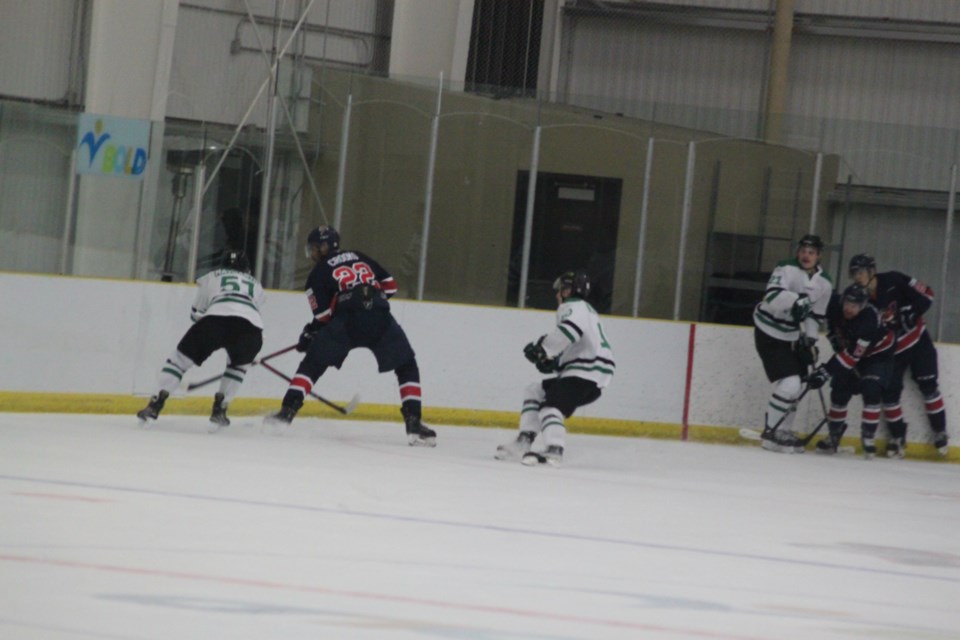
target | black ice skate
x=517, y=447
x=780, y=441
x=869, y=447
x=152, y=410
x=283, y=417
x=831, y=443
x=941, y=442
x=218, y=416
x=553, y=457
x=418, y=434
x=896, y=448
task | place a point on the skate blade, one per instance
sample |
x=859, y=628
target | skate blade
x=416, y=441
x=533, y=459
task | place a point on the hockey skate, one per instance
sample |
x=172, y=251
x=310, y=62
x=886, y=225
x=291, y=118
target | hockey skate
x=517, y=447
x=218, y=416
x=278, y=422
x=941, y=442
x=780, y=441
x=831, y=443
x=869, y=448
x=896, y=448
x=553, y=456
x=152, y=410
x=418, y=434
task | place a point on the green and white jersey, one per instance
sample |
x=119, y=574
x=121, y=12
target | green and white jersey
x=226, y=292
x=579, y=341
x=773, y=315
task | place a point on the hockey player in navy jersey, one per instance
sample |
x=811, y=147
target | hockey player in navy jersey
x=786, y=325
x=348, y=292
x=902, y=302
x=226, y=315
x=862, y=363
x=578, y=352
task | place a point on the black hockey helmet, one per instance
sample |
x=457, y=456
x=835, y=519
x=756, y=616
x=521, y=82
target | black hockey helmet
x=811, y=240
x=324, y=233
x=236, y=260
x=577, y=281
x=861, y=262
x=856, y=294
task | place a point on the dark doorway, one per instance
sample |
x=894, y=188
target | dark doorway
x=575, y=225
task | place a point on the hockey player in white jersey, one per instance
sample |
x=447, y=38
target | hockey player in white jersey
x=786, y=324
x=226, y=315
x=578, y=352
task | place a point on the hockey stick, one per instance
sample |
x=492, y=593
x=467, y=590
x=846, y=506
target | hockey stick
x=344, y=410
x=203, y=383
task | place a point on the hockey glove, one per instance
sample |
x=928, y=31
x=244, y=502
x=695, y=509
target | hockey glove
x=807, y=352
x=801, y=308
x=535, y=353
x=908, y=318
x=306, y=337
x=818, y=377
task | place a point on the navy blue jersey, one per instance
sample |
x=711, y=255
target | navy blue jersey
x=860, y=338
x=340, y=273
x=902, y=301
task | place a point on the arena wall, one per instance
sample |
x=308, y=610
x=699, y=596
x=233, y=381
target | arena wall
x=81, y=344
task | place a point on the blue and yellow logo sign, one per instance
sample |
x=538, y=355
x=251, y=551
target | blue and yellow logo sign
x=108, y=146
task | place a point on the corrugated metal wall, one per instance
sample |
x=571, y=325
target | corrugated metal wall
x=218, y=37
x=35, y=43
x=889, y=107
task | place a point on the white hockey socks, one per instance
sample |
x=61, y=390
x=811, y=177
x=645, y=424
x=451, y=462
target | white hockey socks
x=554, y=431
x=783, y=402
x=233, y=377
x=172, y=371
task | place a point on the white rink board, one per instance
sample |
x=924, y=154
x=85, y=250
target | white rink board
x=79, y=335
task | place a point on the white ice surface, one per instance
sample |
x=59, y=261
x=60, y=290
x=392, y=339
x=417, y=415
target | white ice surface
x=340, y=530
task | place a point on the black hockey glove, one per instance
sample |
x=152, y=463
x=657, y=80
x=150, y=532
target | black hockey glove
x=908, y=318
x=818, y=377
x=535, y=353
x=806, y=350
x=801, y=308
x=306, y=337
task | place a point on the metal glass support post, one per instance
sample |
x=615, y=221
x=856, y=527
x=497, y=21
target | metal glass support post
x=642, y=239
x=528, y=218
x=815, y=197
x=342, y=174
x=197, y=215
x=684, y=226
x=948, y=234
x=69, y=213
x=428, y=196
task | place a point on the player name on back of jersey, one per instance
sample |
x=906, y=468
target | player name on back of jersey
x=340, y=258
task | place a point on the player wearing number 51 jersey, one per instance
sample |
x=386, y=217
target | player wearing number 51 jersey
x=348, y=293
x=226, y=315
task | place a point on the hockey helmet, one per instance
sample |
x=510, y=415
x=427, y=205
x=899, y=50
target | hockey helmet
x=861, y=262
x=324, y=233
x=811, y=240
x=857, y=295
x=236, y=260
x=577, y=281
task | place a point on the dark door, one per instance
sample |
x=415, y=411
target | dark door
x=575, y=224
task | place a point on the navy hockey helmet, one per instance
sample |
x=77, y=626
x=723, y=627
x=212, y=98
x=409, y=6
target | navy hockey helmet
x=861, y=262
x=811, y=240
x=857, y=295
x=324, y=233
x=577, y=281
x=236, y=260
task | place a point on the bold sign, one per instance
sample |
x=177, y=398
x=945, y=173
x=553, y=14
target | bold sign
x=108, y=146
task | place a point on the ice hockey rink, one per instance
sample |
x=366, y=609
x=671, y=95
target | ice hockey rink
x=338, y=529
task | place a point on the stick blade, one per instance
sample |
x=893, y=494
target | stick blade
x=352, y=405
